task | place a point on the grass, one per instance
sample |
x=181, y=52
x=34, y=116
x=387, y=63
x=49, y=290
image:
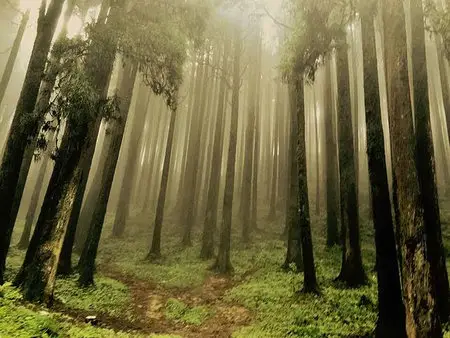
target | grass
x=19, y=320
x=259, y=285
x=177, y=311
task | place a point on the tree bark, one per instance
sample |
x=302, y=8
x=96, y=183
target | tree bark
x=422, y=317
x=425, y=162
x=25, y=124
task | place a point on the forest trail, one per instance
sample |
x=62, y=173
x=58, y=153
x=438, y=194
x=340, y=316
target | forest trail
x=146, y=312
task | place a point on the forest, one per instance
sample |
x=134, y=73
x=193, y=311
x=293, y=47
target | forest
x=224, y=168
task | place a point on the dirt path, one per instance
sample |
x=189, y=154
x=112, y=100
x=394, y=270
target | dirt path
x=146, y=313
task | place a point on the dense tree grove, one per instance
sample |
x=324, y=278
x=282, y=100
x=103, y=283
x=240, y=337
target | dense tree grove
x=240, y=167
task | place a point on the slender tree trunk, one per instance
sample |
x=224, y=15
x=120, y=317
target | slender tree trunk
x=422, y=317
x=246, y=197
x=210, y=222
x=256, y=149
x=317, y=144
x=331, y=165
x=33, y=207
x=13, y=55
x=425, y=162
x=275, y=156
x=193, y=158
x=223, y=262
x=352, y=270
x=86, y=265
x=20, y=131
x=155, y=250
x=128, y=180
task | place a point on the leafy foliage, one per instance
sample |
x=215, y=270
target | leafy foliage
x=177, y=311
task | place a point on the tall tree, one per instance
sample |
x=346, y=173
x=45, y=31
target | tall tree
x=223, y=262
x=331, y=164
x=422, y=318
x=87, y=260
x=352, y=270
x=25, y=124
x=193, y=159
x=13, y=55
x=210, y=222
x=155, y=249
x=391, y=311
x=425, y=161
x=309, y=270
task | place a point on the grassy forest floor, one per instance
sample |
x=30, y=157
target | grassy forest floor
x=179, y=297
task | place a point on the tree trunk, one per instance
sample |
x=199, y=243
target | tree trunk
x=155, y=250
x=33, y=207
x=294, y=248
x=13, y=55
x=223, y=262
x=20, y=132
x=256, y=149
x=422, y=318
x=352, y=270
x=38, y=272
x=425, y=162
x=391, y=311
x=331, y=165
x=310, y=281
x=210, y=222
x=246, y=197
x=87, y=260
x=275, y=156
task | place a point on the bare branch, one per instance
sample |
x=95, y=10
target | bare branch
x=275, y=20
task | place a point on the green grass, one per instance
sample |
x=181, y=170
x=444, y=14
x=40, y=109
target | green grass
x=177, y=311
x=18, y=320
x=106, y=296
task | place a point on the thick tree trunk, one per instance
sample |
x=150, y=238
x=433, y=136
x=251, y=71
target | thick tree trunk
x=20, y=131
x=13, y=55
x=310, y=281
x=425, y=162
x=352, y=270
x=86, y=265
x=38, y=272
x=210, y=222
x=294, y=248
x=422, y=318
x=155, y=250
x=391, y=311
x=331, y=165
x=223, y=262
